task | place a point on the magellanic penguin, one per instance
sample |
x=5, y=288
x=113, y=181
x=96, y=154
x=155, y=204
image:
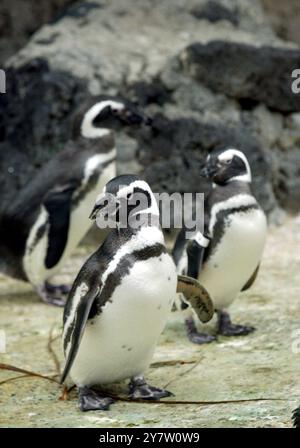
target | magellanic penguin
x=49, y=218
x=226, y=257
x=296, y=418
x=120, y=300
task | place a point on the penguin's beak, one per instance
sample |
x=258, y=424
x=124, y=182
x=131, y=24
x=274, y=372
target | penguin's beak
x=132, y=117
x=97, y=209
x=106, y=205
x=102, y=203
x=208, y=171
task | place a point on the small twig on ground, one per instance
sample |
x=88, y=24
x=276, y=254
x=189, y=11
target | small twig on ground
x=172, y=362
x=64, y=395
x=179, y=402
x=14, y=378
x=27, y=372
x=180, y=375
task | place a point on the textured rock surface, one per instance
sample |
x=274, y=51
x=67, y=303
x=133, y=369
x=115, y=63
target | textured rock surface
x=19, y=19
x=284, y=17
x=245, y=74
x=198, y=103
x=261, y=365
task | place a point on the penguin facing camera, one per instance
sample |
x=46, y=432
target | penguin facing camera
x=225, y=258
x=121, y=298
x=49, y=218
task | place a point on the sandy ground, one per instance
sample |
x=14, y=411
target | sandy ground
x=262, y=365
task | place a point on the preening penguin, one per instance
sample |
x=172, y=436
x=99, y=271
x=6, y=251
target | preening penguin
x=120, y=300
x=226, y=257
x=49, y=217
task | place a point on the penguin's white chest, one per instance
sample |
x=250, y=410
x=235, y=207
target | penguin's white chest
x=79, y=219
x=119, y=343
x=235, y=257
x=35, y=255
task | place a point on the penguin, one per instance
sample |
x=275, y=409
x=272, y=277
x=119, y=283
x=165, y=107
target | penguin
x=296, y=418
x=121, y=298
x=48, y=218
x=225, y=257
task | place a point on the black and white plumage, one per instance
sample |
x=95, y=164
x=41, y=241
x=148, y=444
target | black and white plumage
x=226, y=256
x=119, y=303
x=121, y=298
x=49, y=218
x=296, y=418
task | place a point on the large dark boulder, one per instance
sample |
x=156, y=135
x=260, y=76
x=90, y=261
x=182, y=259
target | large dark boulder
x=246, y=73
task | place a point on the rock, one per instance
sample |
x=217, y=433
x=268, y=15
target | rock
x=284, y=17
x=176, y=149
x=35, y=118
x=19, y=19
x=245, y=73
x=214, y=12
x=211, y=73
x=287, y=179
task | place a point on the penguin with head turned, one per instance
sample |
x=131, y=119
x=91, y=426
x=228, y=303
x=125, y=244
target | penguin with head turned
x=48, y=218
x=121, y=298
x=225, y=258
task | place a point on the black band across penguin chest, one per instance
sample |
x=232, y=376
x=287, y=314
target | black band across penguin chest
x=221, y=225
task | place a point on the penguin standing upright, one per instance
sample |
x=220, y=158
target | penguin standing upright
x=48, y=219
x=120, y=300
x=226, y=256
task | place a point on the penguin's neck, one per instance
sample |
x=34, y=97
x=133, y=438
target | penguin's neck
x=234, y=186
x=143, y=220
x=148, y=233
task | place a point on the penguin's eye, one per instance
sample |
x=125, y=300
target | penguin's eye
x=228, y=161
x=129, y=196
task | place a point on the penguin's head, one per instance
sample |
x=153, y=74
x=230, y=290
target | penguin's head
x=223, y=166
x=124, y=199
x=101, y=114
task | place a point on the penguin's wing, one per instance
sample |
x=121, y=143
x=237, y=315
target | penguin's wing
x=179, y=246
x=58, y=205
x=195, y=253
x=197, y=296
x=80, y=301
x=251, y=280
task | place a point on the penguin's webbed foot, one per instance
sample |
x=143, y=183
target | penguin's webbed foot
x=296, y=418
x=90, y=400
x=50, y=297
x=140, y=390
x=227, y=328
x=193, y=334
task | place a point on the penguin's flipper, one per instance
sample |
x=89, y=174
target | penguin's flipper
x=58, y=205
x=195, y=253
x=83, y=298
x=197, y=296
x=251, y=280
